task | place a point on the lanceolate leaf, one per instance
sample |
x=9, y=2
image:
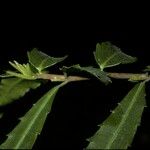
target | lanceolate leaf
x=41, y=60
x=14, y=88
x=108, y=55
x=118, y=130
x=101, y=75
x=25, y=133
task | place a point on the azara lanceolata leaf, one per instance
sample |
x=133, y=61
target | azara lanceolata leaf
x=14, y=88
x=41, y=60
x=25, y=71
x=26, y=132
x=101, y=75
x=118, y=130
x=108, y=55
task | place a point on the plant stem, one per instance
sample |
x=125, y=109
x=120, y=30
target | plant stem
x=61, y=78
x=56, y=77
x=130, y=76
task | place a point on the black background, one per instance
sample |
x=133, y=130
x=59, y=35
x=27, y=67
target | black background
x=78, y=107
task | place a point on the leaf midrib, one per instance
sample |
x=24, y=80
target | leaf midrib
x=40, y=67
x=124, y=117
x=33, y=120
x=108, y=59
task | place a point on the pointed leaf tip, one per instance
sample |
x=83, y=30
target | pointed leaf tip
x=108, y=55
x=118, y=130
x=41, y=60
x=25, y=133
x=24, y=71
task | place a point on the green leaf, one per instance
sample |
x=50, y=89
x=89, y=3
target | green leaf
x=25, y=71
x=101, y=75
x=14, y=88
x=41, y=60
x=108, y=55
x=147, y=68
x=26, y=132
x=118, y=130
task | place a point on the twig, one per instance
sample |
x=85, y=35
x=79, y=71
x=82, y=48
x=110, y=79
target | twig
x=61, y=78
x=130, y=76
x=56, y=77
